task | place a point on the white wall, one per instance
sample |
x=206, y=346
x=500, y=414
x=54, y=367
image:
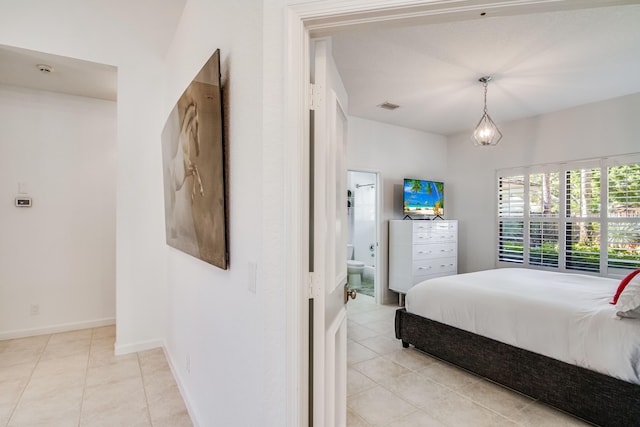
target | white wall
x=60, y=253
x=124, y=34
x=601, y=129
x=395, y=153
x=361, y=216
x=214, y=319
x=236, y=340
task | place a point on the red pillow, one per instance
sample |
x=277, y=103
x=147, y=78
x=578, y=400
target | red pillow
x=623, y=284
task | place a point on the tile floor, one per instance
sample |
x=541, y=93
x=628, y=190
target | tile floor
x=73, y=379
x=391, y=386
x=367, y=286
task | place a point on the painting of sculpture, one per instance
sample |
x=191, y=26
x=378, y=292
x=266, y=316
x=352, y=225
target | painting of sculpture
x=193, y=169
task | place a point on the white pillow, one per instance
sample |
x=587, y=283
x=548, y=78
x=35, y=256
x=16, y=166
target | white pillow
x=629, y=299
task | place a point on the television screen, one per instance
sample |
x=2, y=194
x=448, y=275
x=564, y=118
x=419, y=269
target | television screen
x=423, y=197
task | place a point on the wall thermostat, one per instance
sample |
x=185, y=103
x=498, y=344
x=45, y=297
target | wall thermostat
x=23, y=202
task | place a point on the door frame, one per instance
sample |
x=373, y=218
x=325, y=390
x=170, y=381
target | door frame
x=323, y=17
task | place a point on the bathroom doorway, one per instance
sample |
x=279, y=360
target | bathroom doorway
x=362, y=220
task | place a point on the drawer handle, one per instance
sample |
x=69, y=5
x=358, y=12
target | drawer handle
x=424, y=252
x=445, y=265
x=425, y=268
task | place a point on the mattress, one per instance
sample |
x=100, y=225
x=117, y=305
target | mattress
x=559, y=315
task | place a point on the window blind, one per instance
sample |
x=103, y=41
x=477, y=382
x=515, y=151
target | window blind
x=623, y=211
x=580, y=216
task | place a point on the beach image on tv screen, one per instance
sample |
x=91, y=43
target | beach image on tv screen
x=423, y=197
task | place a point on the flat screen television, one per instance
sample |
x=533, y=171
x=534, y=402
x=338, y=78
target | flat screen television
x=423, y=197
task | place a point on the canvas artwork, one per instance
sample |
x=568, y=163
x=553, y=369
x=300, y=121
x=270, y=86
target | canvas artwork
x=193, y=168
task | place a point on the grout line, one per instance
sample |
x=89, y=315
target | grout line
x=144, y=388
x=35, y=365
x=86, y=374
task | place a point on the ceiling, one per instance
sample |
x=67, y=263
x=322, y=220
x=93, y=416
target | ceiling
x=131, y=25
x=20, y=67
x=540, y=63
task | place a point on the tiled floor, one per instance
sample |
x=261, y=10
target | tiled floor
x=367, y=286
x=73, y=379
x=391, y=386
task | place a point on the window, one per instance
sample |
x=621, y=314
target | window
x=623, y=213
x=511, y=205
x=582, y=230
x=583, y=216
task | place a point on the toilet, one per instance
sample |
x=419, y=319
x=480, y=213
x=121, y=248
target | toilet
x=354, y=269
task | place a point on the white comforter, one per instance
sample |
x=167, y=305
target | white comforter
x=564, y=316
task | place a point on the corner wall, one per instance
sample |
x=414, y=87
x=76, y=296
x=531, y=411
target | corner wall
x=395, y=153
x=216, y=337
x=132, y=36
x=59, y=254
x=607, y=128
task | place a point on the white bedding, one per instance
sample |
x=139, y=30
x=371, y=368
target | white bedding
x=564, y=316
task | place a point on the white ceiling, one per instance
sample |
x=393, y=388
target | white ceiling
x=19, y=67
x=539, y=62
x=143, y=24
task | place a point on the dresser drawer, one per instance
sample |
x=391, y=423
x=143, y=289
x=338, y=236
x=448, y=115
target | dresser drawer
x=435, y=266
x=420, y=279
x=434, y=237
x=436, y=250
x=434, y=226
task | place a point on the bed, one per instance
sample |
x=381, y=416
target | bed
x=552, y=336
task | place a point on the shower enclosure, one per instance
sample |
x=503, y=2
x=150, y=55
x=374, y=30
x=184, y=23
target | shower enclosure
x=361, y=213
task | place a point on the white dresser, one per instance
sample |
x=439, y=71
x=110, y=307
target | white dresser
x=420, y=250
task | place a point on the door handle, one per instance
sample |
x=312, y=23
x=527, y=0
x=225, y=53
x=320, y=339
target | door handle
x=349, y=293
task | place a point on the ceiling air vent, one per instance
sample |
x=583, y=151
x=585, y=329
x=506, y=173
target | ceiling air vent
x=388, y=106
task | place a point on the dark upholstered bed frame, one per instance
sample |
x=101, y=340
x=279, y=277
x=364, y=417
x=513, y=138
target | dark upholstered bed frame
x=592, y=396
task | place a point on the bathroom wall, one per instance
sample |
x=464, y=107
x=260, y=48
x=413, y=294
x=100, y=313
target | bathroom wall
x=362, y=216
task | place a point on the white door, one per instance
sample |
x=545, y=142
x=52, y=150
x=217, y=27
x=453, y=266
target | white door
x=329, y=219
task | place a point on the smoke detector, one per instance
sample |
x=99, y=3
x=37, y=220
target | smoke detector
x=388, y=106
x=44, y=68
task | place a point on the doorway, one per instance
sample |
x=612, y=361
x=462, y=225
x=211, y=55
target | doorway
x=315, y=19
x=362, y=223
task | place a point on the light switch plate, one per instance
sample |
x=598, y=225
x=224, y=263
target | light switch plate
x=23, y=202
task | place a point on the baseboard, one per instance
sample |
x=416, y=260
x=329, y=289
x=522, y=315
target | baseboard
x=181, y=388
x=54, y=329
x=139, y=346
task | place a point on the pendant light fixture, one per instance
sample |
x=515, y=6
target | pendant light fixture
x=486, y=132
